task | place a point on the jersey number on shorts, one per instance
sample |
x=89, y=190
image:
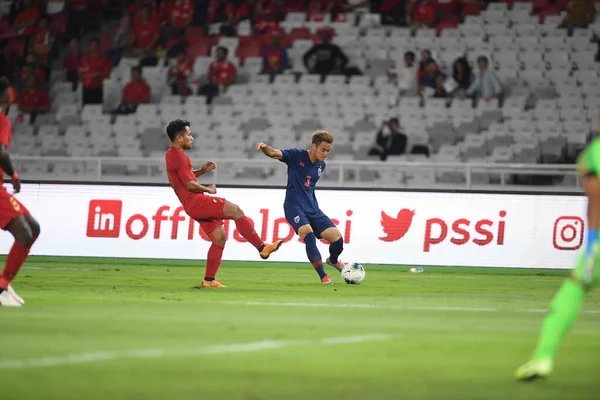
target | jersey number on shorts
x=15, y=204
x=307, y=183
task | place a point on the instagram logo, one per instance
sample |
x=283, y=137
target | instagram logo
x=104, y=218
x=568, y=233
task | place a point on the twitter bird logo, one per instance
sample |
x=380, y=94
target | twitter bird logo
x=396, y=228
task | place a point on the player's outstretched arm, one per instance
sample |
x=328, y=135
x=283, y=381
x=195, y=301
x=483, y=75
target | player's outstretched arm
x=206, y=168
x=195, y=187
x=269, y=151
x=8, y=168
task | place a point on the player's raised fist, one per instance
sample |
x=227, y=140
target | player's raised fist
x=260, y=145
x=209, y=166
x=16, y=182
x=212, y=188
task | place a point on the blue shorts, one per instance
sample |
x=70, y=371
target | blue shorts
x=298, y=217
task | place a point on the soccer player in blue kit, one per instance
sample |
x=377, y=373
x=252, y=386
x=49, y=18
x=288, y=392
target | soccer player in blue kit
x=301, y=207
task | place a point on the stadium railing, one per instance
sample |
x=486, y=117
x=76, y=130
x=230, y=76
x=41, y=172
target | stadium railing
x=339, y=173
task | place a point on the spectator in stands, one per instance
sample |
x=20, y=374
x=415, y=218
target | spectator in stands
x=41, y=45
x=120, y=40
x=71, y=63
x=462, y=77
x=93, y=69
x=329, y=58
x=421, y=12
x=135, y=10
x=266, y=14
x=487, y=85
x=431, y=83
x=317, y=9
x=221, y=74
x=234, y=11
x=136, y=92
x=391, y=144
x=580, y=14
x=78, y=16
x=180, y=70
x=425, y=56
x=27, y=17
x=146, y=32
x=392, y=11
x=275, y=56
x=181, y=13
x=30, y=68
x=404, y=76
x=33, y=100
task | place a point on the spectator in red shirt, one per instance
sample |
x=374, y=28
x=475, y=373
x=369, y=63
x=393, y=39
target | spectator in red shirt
x=145, y=33
x=180, y=70
x=275, y=57
x=71, y=63
x=234, y=11
x=27, y=17
x=134, y=93
x=422, y=14
x=120, y=40
x=93, y=69
x=41, y=44
x=221, y=74
x=33, y=100
x=180, y=18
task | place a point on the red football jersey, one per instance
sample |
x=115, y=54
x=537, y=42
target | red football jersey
x=136, y=92
x=89, y=66
x=179, y=171
x=5, y=137
x=223, y=72
x=145, y=32
x=182, y=11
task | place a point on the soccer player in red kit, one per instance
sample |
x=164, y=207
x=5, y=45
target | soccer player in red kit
x=209, y=211
x=14, y=217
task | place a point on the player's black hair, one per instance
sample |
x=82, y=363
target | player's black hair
x=137, y=68
x=176, y=127
x=482, y=58
x=410, y=54
x=4, y=85
x=394, y=120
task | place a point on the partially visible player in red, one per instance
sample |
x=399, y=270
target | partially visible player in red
x=209, y=211
x=14, y=217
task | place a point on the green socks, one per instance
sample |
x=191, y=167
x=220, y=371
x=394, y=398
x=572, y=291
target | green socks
x=563, y=311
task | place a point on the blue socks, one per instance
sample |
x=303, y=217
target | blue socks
x=310, y=240
x=335, y=249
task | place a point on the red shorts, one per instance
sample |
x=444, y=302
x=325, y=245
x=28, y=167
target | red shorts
x=10, y=208
x=207, y=210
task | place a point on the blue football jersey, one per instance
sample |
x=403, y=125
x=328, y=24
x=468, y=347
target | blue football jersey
x=303, y=175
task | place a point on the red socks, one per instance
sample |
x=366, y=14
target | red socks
x=246, y=229
x=213, y=261
x=16, y=257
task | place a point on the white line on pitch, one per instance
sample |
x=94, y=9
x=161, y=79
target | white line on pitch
x=391, y=307
x=87, y=358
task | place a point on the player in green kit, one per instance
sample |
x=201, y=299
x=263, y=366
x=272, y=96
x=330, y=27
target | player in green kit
x=568, y=301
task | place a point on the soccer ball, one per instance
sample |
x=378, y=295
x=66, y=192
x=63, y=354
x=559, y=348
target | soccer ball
x=353, y=273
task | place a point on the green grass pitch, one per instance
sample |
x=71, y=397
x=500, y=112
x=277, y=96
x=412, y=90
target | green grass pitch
x=132, y=329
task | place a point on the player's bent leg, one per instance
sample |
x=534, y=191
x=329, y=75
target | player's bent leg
x=336, y=246
x=245, y=227
x=21, y=231
x=213, y=259
x=312, y=252
x=563, y=312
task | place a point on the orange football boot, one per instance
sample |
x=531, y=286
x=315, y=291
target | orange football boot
x=270, y=248
x=339, y=265
x=326, y=280
x=211, y=284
